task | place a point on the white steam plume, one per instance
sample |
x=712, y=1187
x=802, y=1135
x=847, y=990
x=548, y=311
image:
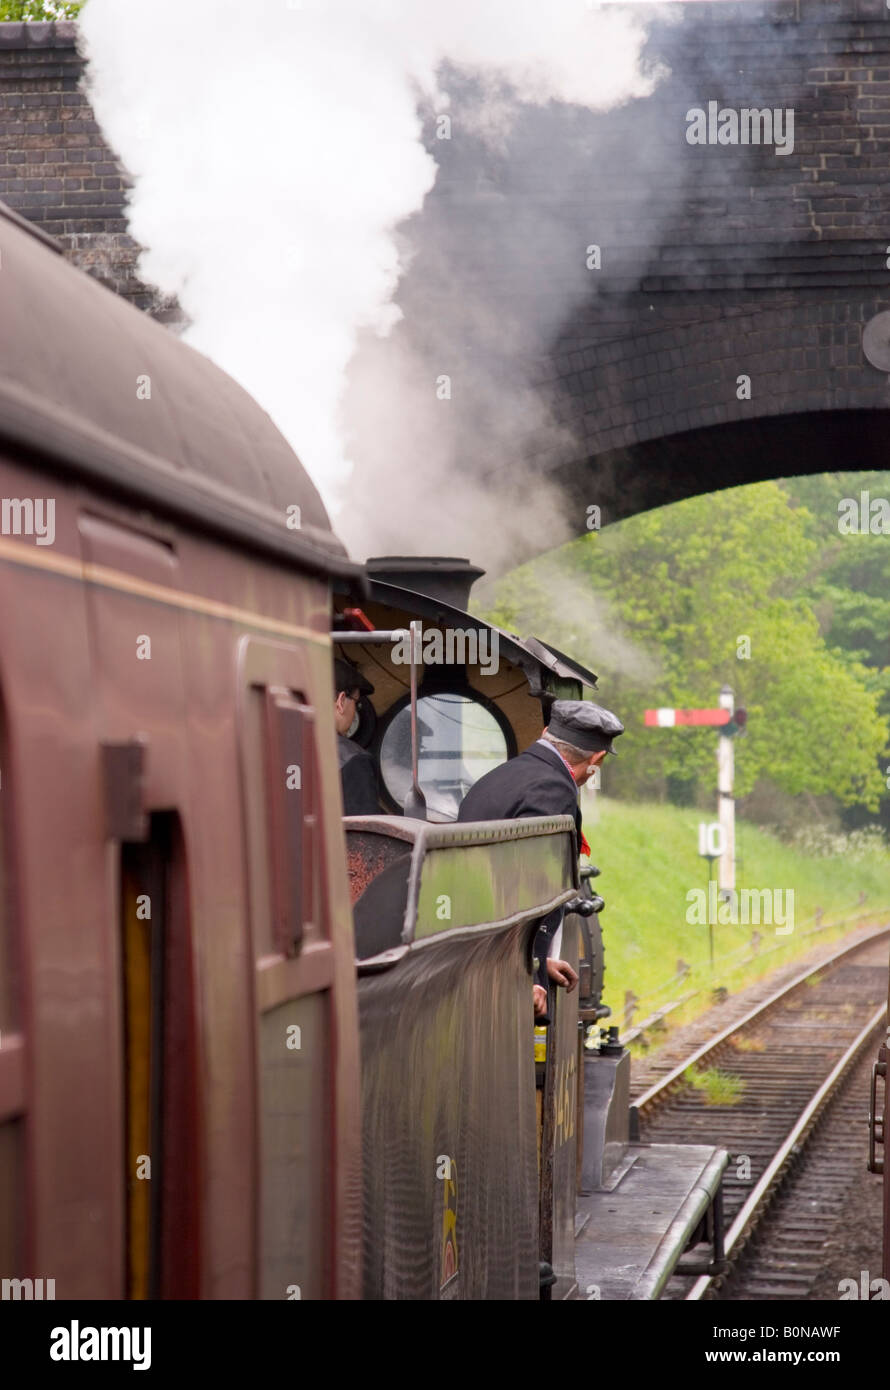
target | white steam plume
x=276, y=147
x=555, y=601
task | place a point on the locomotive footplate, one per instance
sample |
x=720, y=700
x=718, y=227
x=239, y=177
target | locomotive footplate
x=666, y=1199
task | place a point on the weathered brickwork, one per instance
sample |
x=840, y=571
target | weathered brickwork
x=718, y=261
x=768, y=266
x=55, y=167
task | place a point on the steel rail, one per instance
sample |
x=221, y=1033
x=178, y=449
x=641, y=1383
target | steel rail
x=758, y=1199
x=717, y=1041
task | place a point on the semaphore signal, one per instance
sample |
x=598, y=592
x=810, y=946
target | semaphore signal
x=730, y=721
x=672, y=718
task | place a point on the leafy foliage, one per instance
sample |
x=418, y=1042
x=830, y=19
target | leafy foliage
x=35, y=10
x=850, y=588
x=849, y=591
x=743, y=588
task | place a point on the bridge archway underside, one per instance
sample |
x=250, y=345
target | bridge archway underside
x=718, y=261
x=754, y=390
x=719, y=338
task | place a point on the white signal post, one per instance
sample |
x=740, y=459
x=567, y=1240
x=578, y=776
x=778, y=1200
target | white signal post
x=720, y=718
x=725, y=798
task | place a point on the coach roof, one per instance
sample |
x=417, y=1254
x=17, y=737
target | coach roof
x=72, y=354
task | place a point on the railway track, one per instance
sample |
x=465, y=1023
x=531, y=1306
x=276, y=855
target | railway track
x=785, y=1253
x=785, y=1091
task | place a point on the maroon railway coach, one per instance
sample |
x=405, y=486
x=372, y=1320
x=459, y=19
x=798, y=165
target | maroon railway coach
x=247, y=1048
x=177, y=988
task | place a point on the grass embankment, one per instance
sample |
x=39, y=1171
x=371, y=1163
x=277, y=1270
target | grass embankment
x=649, y=859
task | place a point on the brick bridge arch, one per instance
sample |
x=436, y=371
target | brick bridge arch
x=718, y=261
x=769, y=267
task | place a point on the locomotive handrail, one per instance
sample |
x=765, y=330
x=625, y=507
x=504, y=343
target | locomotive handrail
x=651, y=1283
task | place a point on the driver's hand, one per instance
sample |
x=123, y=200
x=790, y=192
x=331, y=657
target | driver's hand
x=561, y=973
x=539, y=995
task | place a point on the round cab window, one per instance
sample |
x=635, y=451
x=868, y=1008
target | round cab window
x=458, y=741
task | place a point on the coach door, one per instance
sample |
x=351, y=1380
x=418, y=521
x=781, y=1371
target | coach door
x=306, y=1027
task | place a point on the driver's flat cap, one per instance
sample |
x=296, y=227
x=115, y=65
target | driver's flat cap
x=584, y=724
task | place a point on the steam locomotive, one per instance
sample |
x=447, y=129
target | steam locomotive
x=249, y=1048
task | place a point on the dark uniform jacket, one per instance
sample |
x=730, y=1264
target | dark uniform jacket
x=536, y=783
x=358, y=776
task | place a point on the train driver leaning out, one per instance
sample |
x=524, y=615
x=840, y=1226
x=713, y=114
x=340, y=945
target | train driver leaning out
x=358, y=774
x=544, y=781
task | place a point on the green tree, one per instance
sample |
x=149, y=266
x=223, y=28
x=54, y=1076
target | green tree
x=849, y=588
x=850, y=584
x=30, y=10
x=681, y=594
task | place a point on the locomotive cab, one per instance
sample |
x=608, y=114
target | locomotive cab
x=481, y=694
x=524, y=1172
